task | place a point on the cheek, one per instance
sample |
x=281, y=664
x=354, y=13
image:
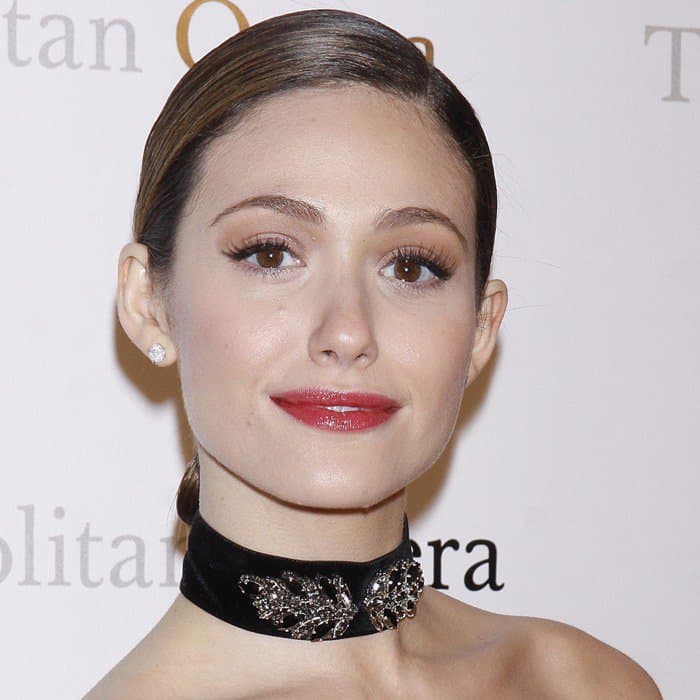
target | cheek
x=228, y=347
x=435, y=355
x=229, y=339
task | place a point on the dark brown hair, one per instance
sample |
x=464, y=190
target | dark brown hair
x=310, y=48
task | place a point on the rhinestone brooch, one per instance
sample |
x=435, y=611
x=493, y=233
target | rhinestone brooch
x=322, y=608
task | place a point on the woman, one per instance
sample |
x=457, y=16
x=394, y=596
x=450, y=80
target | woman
x=313, y=238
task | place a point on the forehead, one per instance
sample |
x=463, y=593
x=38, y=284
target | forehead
x=343, y=148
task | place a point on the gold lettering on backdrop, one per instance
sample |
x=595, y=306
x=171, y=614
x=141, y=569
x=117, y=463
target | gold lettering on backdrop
x=426, y=43
x=183, y=26
x=183, y=30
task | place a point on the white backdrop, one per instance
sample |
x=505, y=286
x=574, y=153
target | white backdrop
x=573, y=452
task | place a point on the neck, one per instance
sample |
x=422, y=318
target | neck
x=256, y=520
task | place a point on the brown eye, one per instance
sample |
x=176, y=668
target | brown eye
x=266, y=256
x=407, y=265
x=270, y=257
x=408, y=270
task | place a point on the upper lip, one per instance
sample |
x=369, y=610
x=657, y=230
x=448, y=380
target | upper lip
x=328, y=397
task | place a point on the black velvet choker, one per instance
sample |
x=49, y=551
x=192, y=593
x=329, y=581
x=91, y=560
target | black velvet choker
x=299, y=599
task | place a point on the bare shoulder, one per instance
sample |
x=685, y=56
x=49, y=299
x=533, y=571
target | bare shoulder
x=532, y=657
x=144, y=673
x=563, y=661
x=158, y=667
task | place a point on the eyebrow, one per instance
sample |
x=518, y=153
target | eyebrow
x=305, y=211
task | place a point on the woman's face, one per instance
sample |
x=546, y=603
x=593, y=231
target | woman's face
x=336, y=310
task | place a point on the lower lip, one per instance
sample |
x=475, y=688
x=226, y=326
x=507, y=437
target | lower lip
x=335, y=421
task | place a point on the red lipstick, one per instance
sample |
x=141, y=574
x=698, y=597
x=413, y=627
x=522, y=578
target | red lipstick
x=313, y=407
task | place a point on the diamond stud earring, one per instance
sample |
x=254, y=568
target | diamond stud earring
x=156, y=353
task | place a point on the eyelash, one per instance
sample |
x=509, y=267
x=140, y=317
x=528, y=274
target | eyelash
x=440, y=264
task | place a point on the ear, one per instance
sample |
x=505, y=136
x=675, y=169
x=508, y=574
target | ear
x=489, y=318
x=140, y=311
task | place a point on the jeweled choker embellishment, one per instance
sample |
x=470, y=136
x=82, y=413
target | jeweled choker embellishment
x=317, y=610
x=299, y=599
x=322, y=609
x=394, y=593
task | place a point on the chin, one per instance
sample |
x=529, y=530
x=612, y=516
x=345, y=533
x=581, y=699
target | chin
x=334, y=490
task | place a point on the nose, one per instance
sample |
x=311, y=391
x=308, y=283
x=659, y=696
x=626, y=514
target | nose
x=344, y=332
